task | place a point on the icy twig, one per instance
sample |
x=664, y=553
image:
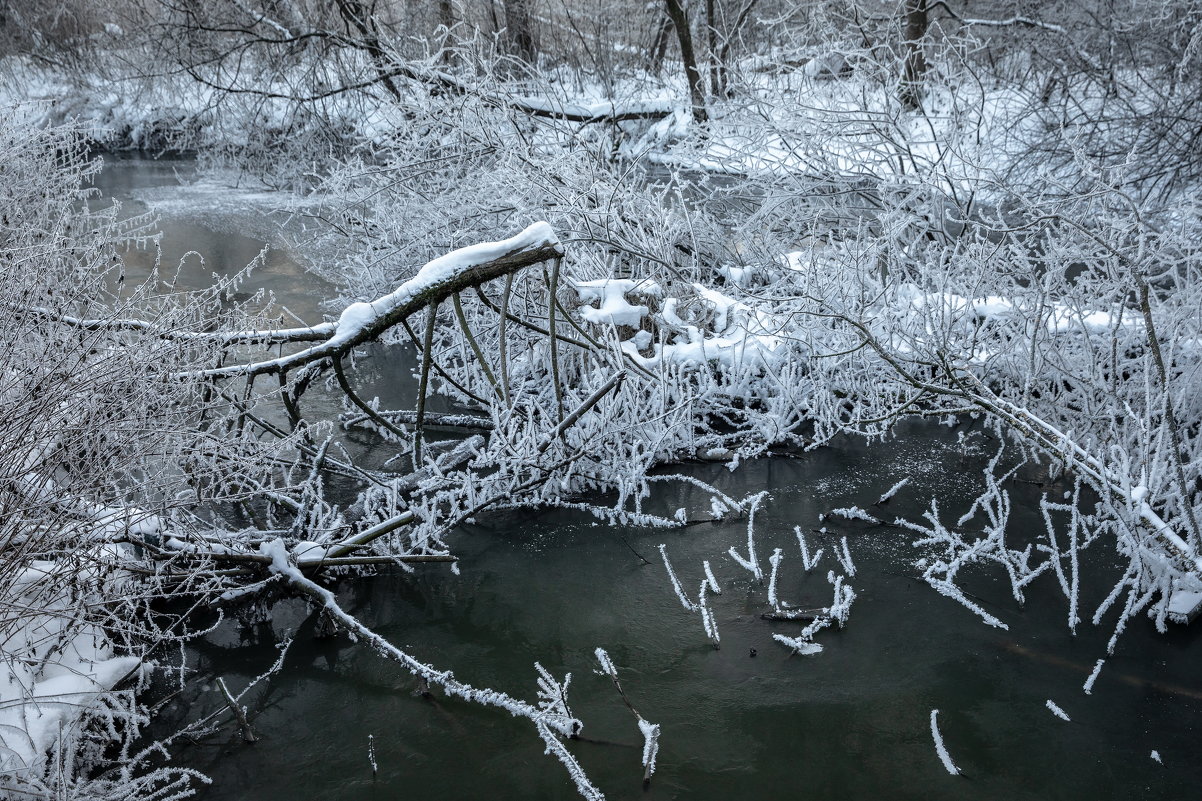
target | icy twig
x=1057, y=711
x=684, y=600
x=940, y=749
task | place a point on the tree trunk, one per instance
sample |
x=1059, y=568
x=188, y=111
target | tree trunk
x=356, y=18
x=914, y=64
x=659, y=44
x=518, y=32
x=680, y=19
x=446, y=21
x=717, y=69
x=732, y=32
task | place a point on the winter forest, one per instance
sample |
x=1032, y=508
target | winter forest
x=626, y=398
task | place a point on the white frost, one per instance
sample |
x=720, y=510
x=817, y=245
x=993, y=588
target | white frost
x=940, y=749
x=799, y=645
x=650, y=744
x=1057, y=711
x=607, y=665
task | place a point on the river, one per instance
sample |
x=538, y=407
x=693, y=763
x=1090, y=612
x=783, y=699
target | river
x=748, y=720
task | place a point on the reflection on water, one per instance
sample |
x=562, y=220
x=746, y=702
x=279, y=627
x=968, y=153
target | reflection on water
x=213, y=233
x=849, y=723
x=207, y=230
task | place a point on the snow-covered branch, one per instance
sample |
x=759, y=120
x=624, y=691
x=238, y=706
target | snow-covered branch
x=458, y=270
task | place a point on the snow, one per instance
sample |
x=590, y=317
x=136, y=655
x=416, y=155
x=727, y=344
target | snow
x=740, y=335
x=280, y=559
x=359, y=316
x=736, y=336
x=356, y=319
x=701, y=327
x=739, y=276
x=827, y=66
x=308, y=551
x=64, y=670
x=30, y=723
x=1184, y=605
x=1061, y=317
x=595, y=110
x=614, y=309
x=796, y=261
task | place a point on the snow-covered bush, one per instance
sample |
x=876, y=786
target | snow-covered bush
x=107, y=448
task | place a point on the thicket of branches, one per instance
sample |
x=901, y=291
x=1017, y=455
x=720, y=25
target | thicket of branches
x=744, y=227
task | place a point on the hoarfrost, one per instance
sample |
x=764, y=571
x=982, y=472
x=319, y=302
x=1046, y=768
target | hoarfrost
x=1057, y=711
x=940, y=749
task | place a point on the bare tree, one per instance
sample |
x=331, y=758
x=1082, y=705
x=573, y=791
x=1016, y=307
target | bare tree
x=519, y=31
x=914, y=61
x=684, y=36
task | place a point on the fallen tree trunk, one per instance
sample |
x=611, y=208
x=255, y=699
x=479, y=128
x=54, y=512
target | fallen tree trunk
x=438, y=280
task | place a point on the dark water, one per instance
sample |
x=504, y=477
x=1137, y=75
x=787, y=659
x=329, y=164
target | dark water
x=849, y=723
x=208, y=230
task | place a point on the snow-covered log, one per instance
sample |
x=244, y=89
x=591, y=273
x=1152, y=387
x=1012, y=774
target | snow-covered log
x=458, y=270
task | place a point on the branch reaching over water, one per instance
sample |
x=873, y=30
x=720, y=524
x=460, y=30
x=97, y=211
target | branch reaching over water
x=458, y=270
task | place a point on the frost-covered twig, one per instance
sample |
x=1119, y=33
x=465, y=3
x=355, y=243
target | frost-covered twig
x=940, y=748
x=807, y=562
x=774, y=560
x=844, y=554
x=1093, y=676
x=708, y=622
x=1057, y=711
x=854, y=513
x=552, y=717
x=751, y=563
x=650, y=731
x=684, y=599
x=248, y=734
x=556, y=748
x=889, y=493
x=798, y=645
